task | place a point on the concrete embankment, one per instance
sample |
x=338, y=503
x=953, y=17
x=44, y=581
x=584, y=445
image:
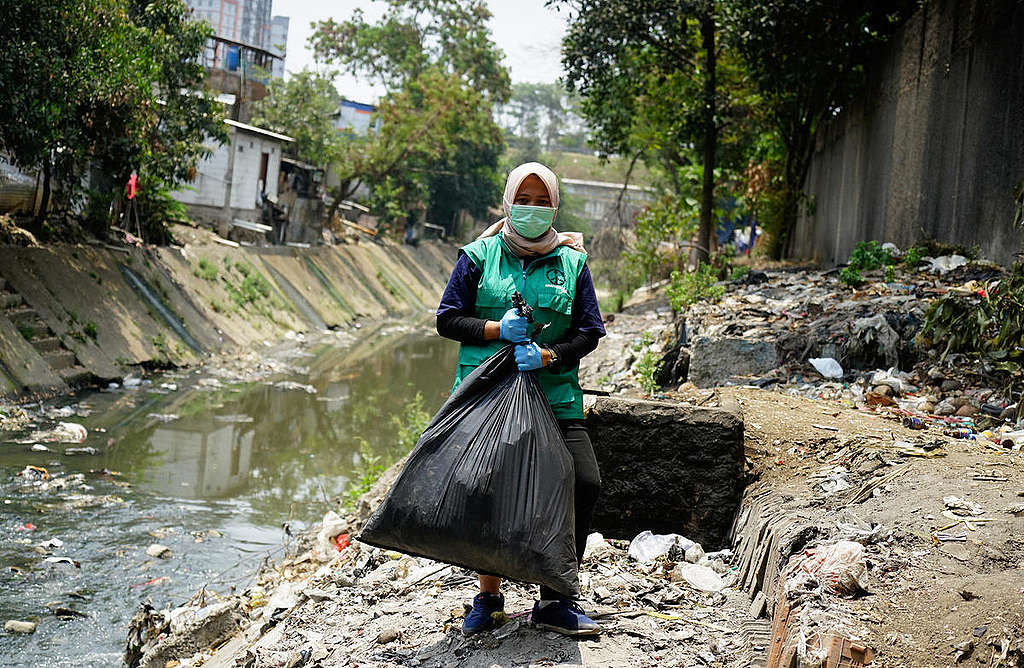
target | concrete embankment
x=75, y=314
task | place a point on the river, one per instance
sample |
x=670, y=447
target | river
x=216, y=469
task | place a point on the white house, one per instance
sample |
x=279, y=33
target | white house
x=229, y=183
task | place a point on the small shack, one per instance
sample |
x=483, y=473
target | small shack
x=231, y=183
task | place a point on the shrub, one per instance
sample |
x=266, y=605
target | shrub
x=689, y=288
x=206, y=270
x=851, y=277
x=868, y=255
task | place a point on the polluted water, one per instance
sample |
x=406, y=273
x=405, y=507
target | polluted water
x=191, y=479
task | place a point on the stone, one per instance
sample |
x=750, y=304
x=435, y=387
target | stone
x=716, y=360
x=945, y=407
x=926, y=407
x=960, y=402
x=667, y=468
x=694, y=553
x=951, y=385
x=18, y=626
x=758, y=605
x=158, y=550
x=884, y=390
x=1009, y=413
x=387, y=635
x=967, y=410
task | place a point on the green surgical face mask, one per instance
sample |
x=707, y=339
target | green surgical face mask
x=531, y=221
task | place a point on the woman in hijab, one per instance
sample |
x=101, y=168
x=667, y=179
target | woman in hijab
x=524, y=252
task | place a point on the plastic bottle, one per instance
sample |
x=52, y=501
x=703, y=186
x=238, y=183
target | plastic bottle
x=962, y=433
x=914, y=423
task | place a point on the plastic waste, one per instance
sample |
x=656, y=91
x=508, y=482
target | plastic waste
x=827, y=367
x=490, y=484
x=698, y=577
x=649, y=546
x=64, y=432
x=963, y=505
x=837, y=481
x=332, y=526
x=945, y=263
x=841, y=567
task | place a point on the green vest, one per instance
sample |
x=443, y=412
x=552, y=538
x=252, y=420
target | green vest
x=548, y=284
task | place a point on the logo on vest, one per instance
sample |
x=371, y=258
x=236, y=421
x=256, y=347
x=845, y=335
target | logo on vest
x=556, y=276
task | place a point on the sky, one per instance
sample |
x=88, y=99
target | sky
x=528, y=33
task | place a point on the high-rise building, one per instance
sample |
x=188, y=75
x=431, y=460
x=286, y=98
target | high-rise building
x=246, y=21
x=279, y=44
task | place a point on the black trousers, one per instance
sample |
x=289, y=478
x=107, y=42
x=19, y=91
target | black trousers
x=588, y=487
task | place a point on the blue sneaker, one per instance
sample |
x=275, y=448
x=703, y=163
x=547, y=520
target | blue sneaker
x=566, y=617
x=479, y=618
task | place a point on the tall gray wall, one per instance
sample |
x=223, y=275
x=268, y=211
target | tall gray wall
x=936, y=145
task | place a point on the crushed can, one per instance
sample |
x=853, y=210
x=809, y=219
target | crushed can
x=914, y=423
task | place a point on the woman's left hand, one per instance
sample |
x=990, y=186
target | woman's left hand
x=529, y=356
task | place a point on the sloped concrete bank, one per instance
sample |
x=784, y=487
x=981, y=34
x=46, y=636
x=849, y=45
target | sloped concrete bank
x=77, y=314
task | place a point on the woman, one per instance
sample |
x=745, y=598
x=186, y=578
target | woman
x=524, y=252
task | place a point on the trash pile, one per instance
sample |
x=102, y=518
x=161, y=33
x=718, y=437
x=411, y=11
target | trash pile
x=660, y=599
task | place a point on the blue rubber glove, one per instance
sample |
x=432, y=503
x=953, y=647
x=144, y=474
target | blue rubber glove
x=528, y=356
x=514, y=327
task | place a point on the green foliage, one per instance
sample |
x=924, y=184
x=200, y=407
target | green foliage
x=410, y=425
x=808, y=59
x=28, y=332
x=850, y=276
x=301, y=107
x=111, y=84
x=989, y=322
x=435, y=150
x=890, y=274
x=647, y=369
x=660, y=231
x=685, y=289
x=912, y=257
x=868, y=255
x=738, y=273
x=206, y=270
x=91, y=330
x=648, y=365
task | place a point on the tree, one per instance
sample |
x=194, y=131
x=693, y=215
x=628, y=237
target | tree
x=111, y=83
x=302, y=108
x=436, y=148
x=647, y=72
x=808, y=59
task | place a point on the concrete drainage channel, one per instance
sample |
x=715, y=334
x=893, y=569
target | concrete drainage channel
x=670, y=468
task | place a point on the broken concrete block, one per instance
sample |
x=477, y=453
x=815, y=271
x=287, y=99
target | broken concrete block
x=716, y=360
x=666, y=468
x=18, y=626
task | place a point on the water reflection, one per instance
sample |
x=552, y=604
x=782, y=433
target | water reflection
x=239, y=458
x=282, y=448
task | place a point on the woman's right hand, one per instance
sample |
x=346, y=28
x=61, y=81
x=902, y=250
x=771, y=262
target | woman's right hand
x=514, y=327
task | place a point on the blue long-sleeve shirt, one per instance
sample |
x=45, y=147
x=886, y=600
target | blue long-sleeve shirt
x=456, y=315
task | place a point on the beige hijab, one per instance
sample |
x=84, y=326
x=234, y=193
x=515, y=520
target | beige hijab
x=546, y=242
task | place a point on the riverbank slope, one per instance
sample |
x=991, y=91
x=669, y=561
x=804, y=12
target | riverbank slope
x=72, y=315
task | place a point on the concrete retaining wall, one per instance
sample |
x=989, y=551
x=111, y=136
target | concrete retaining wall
x=73, y=313
x=936, y=145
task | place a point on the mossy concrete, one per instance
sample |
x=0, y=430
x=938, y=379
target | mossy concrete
x=226, y=299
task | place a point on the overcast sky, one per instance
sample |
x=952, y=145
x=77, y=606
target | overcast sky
x=529, y=34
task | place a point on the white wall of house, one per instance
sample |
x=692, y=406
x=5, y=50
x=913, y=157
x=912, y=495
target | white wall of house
x=208, y=189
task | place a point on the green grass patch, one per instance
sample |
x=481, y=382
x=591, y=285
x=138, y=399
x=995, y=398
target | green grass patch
x=206, y=270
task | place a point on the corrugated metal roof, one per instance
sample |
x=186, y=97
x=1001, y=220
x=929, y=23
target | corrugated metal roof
x=260, y=131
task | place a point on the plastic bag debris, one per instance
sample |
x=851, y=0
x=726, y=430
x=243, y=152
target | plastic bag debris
x=963, y=505
x=332, y=526
x=64, y=432
x=827, y=367
x=649, y=546
x=945, y=263
x=490, y=484
x=838, y=481
x=698, y=577
x=841, y=567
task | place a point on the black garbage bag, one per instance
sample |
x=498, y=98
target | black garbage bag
x=489, y=485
